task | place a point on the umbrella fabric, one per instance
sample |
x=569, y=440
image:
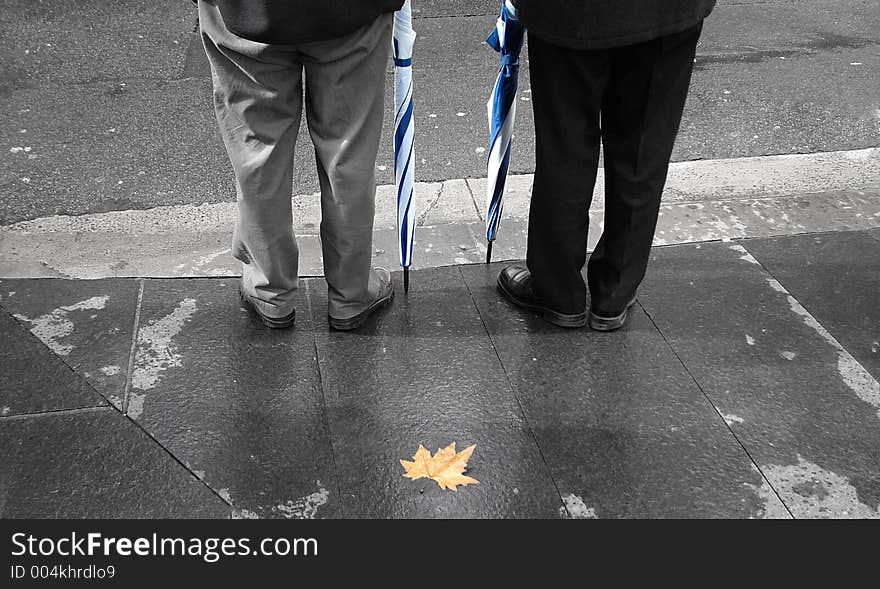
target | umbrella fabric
x=507, y=39
x=403, y=40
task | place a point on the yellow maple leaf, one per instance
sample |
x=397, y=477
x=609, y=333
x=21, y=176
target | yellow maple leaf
x=419, y=468
x=445, y=467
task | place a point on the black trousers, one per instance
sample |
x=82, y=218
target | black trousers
x=631, y=99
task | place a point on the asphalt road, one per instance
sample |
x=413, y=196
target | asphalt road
x=107, y=106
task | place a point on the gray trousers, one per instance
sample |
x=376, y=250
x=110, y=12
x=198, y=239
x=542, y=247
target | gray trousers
x=258, y=99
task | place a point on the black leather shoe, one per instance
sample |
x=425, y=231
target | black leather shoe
x=386, y=295
x=515, y=283
x=281, y=322
x=602, y=322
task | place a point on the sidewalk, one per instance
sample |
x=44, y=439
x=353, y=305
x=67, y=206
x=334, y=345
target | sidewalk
x=133, y=383
x=745, y=385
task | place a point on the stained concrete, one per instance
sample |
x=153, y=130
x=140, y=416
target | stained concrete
x=836, y=277
x=239, y=404
x=87, y=324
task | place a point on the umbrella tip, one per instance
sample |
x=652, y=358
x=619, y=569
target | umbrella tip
x=406, y=280
x=489, y=251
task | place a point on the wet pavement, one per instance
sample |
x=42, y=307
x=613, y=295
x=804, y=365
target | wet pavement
x=133, y=383
x=745, y=385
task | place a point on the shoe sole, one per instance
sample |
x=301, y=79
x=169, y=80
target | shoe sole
x=358, y=320
x=271, y=322
x=548, y=315
x=600, y=323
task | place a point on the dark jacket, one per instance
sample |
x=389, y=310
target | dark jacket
x=291, y=22
x=600, y=24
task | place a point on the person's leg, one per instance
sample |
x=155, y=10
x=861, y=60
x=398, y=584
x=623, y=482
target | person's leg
x=258, y=103
x=641, y=113
x=345, y=100
x=566, y=90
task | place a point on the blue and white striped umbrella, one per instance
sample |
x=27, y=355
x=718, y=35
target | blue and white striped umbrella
x=403, y=40
x=507, y=39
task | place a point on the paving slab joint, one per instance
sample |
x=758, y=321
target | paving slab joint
x=420, y=220
x=126, y=393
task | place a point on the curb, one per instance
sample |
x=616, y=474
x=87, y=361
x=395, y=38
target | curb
x=703, y=200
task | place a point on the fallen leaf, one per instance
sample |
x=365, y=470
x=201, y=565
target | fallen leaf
x=445, y=467
x=419, y=468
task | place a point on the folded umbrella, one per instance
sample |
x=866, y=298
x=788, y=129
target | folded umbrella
x=402, y=46
x=507, y=39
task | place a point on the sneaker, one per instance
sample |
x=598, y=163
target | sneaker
x=280, y=322
x=602, y=322
x=386, y=295
x=515, y=283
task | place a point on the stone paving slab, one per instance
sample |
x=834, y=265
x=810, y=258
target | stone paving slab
x=166, y=255
x=385, y=249
x=239, y=404
x=762, y=217
x=510, y=240
x=424, y=372
x=33, y=379
x=836, y=277
x=517, y=195
x=87, y=324
x=622, y=425
x=437, y=246
x=94, y=463
x=867, y=208
x=803, y=407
